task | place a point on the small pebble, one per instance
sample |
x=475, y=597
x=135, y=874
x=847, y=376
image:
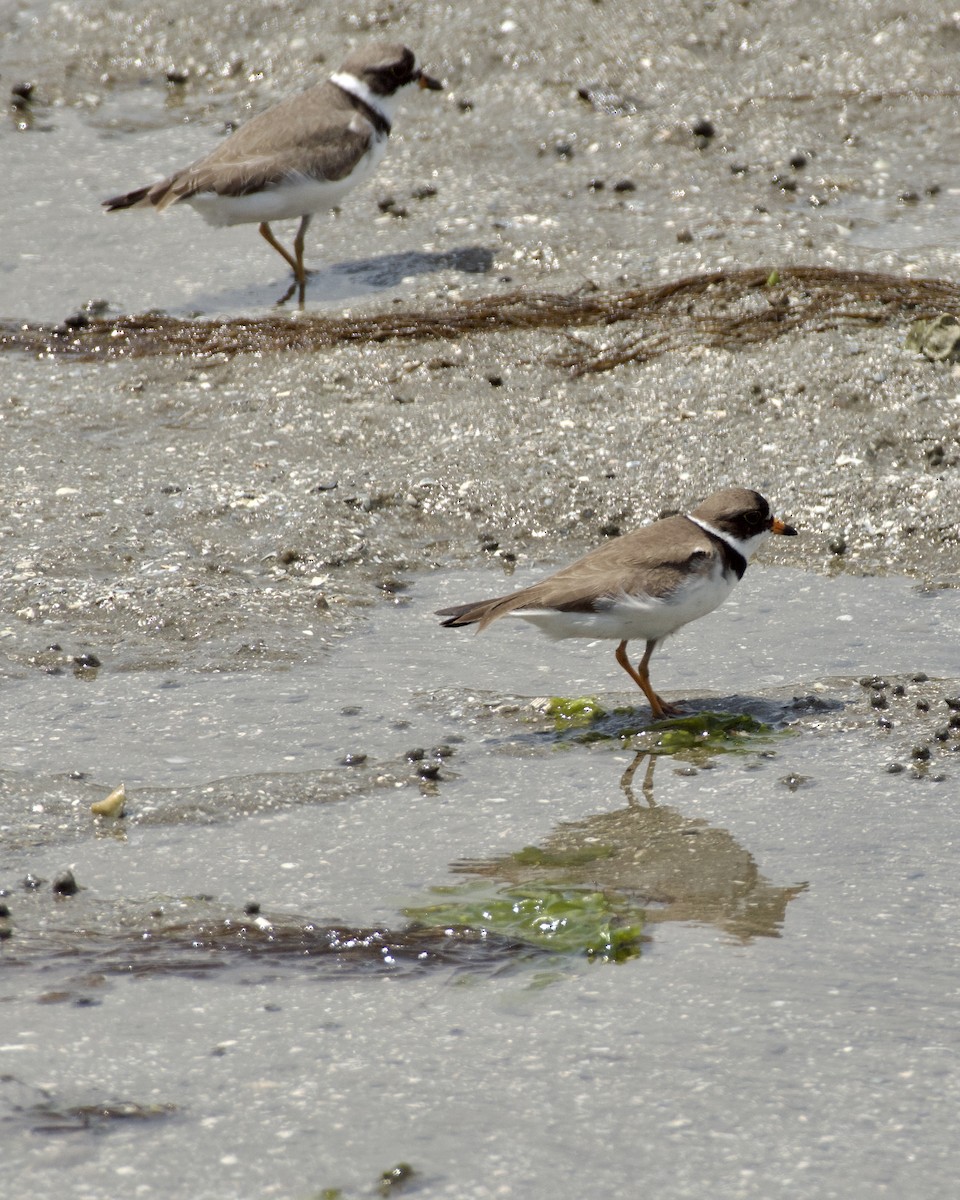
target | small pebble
x=793, y=781
x=428, y=770
x=252, y=908
x=923, y=706
x=396, y=1177
x=704, y=128
x=388, y=204
x=895, y=768
x=920, y=753
x=65, y=885
x=353, y=760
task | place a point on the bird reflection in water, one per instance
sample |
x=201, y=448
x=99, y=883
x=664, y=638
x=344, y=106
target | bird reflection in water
x=677, y=868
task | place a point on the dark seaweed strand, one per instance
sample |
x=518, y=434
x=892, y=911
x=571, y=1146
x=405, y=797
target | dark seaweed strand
x=696, y=310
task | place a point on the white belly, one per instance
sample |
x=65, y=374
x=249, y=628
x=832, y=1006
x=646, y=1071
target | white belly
x=626, y=618
x=293, y=197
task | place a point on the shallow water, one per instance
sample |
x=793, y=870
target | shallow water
x=138, y=261
x=784, y=1025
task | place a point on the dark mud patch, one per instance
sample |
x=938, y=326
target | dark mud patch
x=721, y=309
x=205, y=945
x=40, y=1110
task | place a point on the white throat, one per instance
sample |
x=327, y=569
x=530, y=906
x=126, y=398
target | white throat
x=745, y=548
x=356, y=87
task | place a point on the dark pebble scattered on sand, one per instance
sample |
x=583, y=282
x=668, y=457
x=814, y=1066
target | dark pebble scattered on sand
x=65, y=884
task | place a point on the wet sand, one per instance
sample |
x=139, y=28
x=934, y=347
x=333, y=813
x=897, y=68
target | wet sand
x=179, y=500
x=205, y=556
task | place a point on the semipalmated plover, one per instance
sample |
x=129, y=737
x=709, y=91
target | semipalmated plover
x=646, y=584
x=297, y=158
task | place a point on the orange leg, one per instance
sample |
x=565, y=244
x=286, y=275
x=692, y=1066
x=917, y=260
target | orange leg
x=298, y=250
x=641, y=677
x=267, y=234
x=295, y=260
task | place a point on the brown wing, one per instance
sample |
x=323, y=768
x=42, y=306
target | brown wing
x=645, y=561
x=320, y=133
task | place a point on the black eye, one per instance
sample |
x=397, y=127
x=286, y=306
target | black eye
x=753, y=520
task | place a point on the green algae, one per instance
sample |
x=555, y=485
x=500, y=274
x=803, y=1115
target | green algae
x=575, y=710
x=714, y=731
x=601, y=926
x=584, y=719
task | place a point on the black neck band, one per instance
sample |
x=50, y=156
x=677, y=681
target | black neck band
x=373, y=115
x=733, y=560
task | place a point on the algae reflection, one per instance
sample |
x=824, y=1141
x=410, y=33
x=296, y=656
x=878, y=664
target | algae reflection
x=595, y=886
